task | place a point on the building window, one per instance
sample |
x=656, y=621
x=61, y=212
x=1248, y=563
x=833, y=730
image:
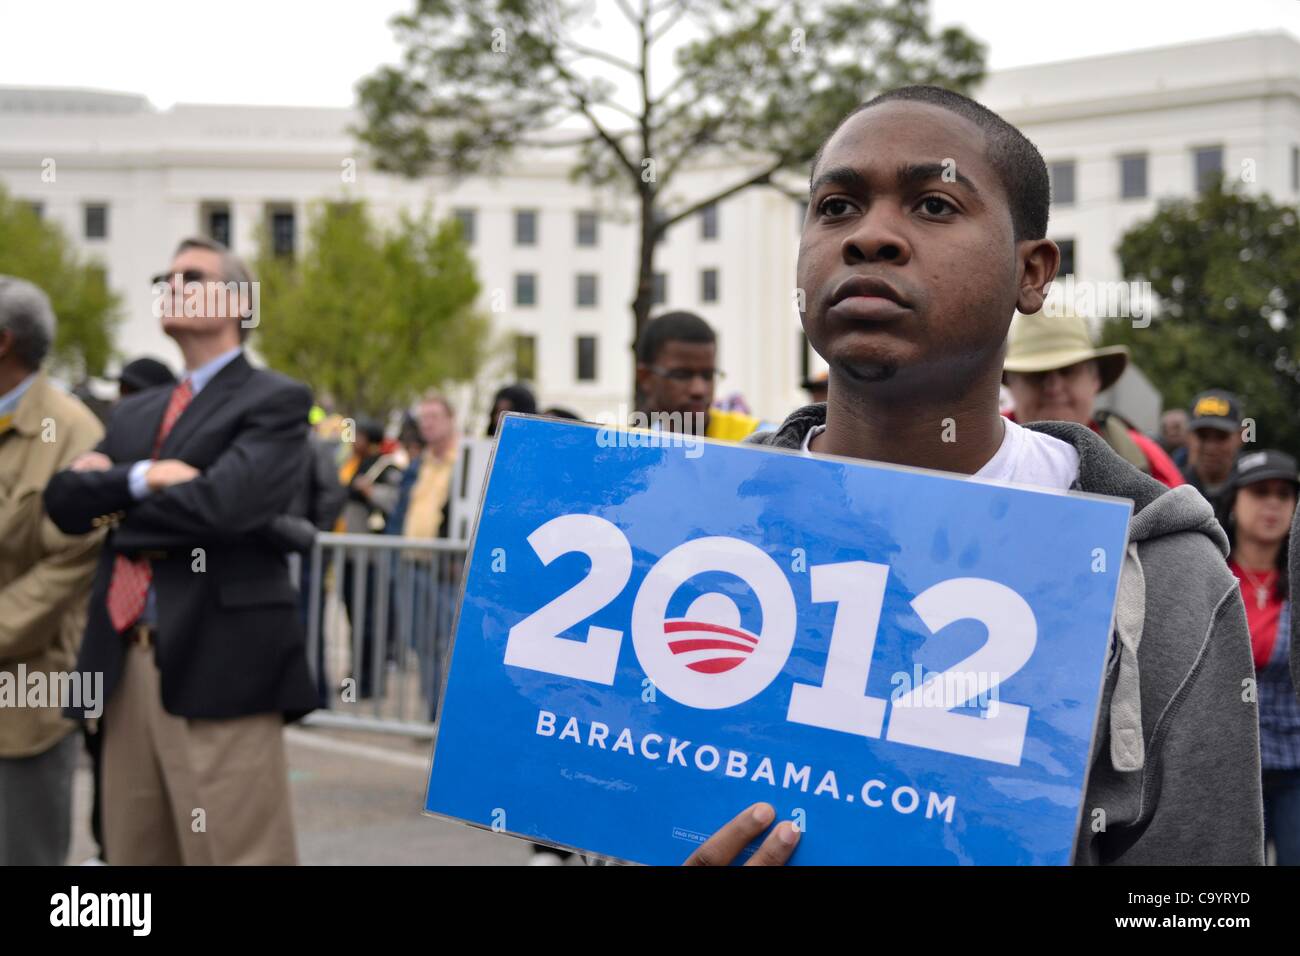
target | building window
x=216, y=223
x=1207, y=165
x=585, y=227
x=283, y=229
x=1295, y=169
x=1067, y=257
x=467, y=222
x=586, y=291
x=525, y=288
x=709, y=221
x=659, y=289
x=1133, y=176
x=586, y=358
x=525, y=358
x=96, y=221
x=708, y=285
x=1062, y=179
x=525, y=227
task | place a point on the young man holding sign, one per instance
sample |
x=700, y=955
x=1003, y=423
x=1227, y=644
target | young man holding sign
x=925, y=232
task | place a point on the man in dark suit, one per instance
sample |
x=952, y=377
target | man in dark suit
x=193, y=618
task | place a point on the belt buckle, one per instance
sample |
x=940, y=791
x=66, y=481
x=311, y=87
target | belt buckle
x=143, y=634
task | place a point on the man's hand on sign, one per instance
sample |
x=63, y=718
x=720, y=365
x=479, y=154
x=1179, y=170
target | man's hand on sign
x=168, y=472
x=725, y=845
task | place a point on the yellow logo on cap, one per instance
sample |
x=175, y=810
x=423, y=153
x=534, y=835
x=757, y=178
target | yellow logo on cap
x=1211, y=405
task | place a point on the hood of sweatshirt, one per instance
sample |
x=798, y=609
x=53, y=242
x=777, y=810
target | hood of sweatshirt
x=1157, y=511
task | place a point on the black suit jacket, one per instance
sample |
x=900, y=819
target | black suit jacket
x=230, y=640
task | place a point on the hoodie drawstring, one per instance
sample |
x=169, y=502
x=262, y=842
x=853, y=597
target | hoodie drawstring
x=1127, y=751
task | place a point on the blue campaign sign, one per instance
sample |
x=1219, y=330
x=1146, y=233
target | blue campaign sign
x=907, y=664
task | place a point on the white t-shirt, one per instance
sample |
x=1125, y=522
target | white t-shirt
x=1025, y=457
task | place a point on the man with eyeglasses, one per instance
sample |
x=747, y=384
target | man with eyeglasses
x=193, y=619
x=676, y=372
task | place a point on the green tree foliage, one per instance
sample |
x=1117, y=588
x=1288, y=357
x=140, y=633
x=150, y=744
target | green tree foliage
x=1225, y=267
x=370, y=317
x=760, y=81
x=87, y=310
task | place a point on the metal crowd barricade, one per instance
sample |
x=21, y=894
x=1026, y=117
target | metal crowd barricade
x=379, y=612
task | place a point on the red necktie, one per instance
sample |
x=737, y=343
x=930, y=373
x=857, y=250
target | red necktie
x=129, y=586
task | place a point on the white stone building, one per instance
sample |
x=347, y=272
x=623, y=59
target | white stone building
x=1120, y=132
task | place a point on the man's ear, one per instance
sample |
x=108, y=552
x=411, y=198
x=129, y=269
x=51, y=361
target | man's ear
x=1038, y=260
x=643, y=374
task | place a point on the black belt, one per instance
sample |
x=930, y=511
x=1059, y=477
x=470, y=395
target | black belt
x=143, y=634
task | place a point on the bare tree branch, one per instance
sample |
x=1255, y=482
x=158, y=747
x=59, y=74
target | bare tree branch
x=627, y=12
x=643, y=63
x=698, y=138
x=763, y=178
x=619, y=108
x=583, y=51
x=673, y=87
x=583, y=104
x=668, y=24
x=609, y=139
x=798, y=195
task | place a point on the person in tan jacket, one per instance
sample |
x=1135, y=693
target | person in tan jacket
x=45, y=578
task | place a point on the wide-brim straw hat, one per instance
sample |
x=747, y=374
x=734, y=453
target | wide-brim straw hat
x=1042, y=342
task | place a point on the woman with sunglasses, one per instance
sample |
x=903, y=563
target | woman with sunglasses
x=1261, y=505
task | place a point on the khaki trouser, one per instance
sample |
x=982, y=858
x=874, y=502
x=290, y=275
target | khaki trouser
x=180, y=791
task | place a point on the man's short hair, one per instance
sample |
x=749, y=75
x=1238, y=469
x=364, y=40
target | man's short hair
x=1017, y=161
x=520, y=397
x=26, y=313
x=433, y=395
x=672, y=327
x=233, y=269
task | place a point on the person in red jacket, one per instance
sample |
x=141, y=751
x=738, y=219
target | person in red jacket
x=1055, y=374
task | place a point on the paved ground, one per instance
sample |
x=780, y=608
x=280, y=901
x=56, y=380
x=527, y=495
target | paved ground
x=357, y=800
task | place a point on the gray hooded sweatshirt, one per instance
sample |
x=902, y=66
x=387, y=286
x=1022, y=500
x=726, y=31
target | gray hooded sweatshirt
x=1174, y=776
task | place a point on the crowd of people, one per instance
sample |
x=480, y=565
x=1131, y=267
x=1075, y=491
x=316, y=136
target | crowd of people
x=152, y=549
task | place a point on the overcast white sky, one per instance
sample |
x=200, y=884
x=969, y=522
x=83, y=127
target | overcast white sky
x=311, y=52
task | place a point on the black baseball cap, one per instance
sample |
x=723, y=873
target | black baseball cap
x=1262, y=465
x=1215, y=408
x=145, y=373
x=370, y=428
